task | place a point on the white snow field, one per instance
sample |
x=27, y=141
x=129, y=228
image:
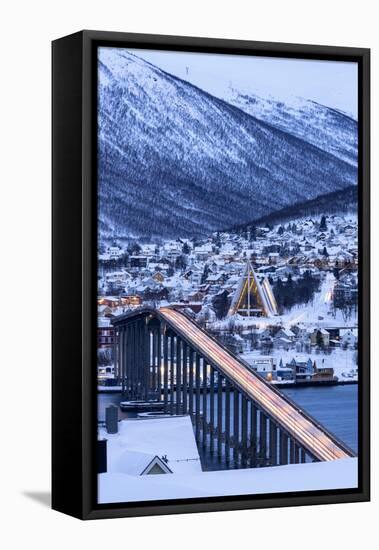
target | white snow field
x=139, y=441
x=336, y=474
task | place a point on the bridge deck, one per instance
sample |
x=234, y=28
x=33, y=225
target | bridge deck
x=307, y=432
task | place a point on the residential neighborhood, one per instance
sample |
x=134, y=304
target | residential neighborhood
x=302, y=302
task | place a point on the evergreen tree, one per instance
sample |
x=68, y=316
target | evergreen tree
x=180, y=262
x=205, y=274
x=220, y=304
x=323, y=226
x=218, y=240
x=134, y=249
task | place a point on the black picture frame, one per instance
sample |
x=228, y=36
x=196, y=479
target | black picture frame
x=74, y=273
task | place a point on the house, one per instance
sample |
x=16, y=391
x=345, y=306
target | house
x=273, y=258
x=203, y=252
x=158, y=277
x=115, y=252
x=110, y=301
x=138, y=261
x=284, y=373
x=196, y=296
x=149, y=250
x=104, y=311
x=217, y=278
x=119, y=276
x=286, y=333
x=195, y=307
x=105, y=333
x=172, y=249
x=323, y=374
x=302, y=367
x=319, y=337
x=284, y=338
x=234, y=342
x=300, y=330
x=131, y=300
x=136, y=463
x=264, y=365
x=148, y=446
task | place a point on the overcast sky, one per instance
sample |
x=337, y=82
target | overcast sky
x=332, y=83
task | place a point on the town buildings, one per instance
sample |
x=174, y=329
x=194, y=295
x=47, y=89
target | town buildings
x=302, y=281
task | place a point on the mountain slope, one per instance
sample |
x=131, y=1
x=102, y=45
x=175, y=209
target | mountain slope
x=176, y=161
x=326, y=128
x=337, y=202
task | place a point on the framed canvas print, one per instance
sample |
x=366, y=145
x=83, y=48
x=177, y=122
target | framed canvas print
x=210, y=274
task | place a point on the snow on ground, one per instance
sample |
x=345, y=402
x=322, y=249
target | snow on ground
x=317, y=313
x=336, y=474
x=320, y=307
x=172, y=437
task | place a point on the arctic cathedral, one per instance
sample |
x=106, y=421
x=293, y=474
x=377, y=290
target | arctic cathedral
x=253, y=298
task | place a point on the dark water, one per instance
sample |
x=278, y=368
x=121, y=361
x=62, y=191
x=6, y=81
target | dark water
x=334, y=406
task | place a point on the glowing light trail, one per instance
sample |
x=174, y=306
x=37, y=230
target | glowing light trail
x=307, y=433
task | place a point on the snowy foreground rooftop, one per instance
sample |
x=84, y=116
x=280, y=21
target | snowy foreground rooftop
x=336, y=474
x=138, y=441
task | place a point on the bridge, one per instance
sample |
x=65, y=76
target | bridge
x=164, y=354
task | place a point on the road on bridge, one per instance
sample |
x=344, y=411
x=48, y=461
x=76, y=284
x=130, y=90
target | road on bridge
x=306, y=432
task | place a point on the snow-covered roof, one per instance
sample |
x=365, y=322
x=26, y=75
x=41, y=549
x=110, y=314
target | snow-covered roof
x=287, y=332
x=332, y=474
x=172, y=437
x=135, y=463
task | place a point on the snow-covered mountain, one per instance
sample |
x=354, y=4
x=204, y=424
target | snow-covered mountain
x=328, y=129
x=335, y=203
x=176, y=161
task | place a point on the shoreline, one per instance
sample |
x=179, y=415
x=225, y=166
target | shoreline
x=327, y=383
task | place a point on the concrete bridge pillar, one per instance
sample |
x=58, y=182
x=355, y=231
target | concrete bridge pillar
x=190, y=381
x=220, y=380
x=253, y=434
x=165, y=369
x=197, y=397
x=227, y=420
x=204, y=388
x=262, y=438
x=273, y=443
x=236, y=425
x=184, y=377
x=244, y=421
x=283, y=451
x=178, y=360
x=211, y=405
x=172, y=372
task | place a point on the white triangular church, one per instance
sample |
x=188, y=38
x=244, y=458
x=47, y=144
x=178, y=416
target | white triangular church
x=253, y=298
